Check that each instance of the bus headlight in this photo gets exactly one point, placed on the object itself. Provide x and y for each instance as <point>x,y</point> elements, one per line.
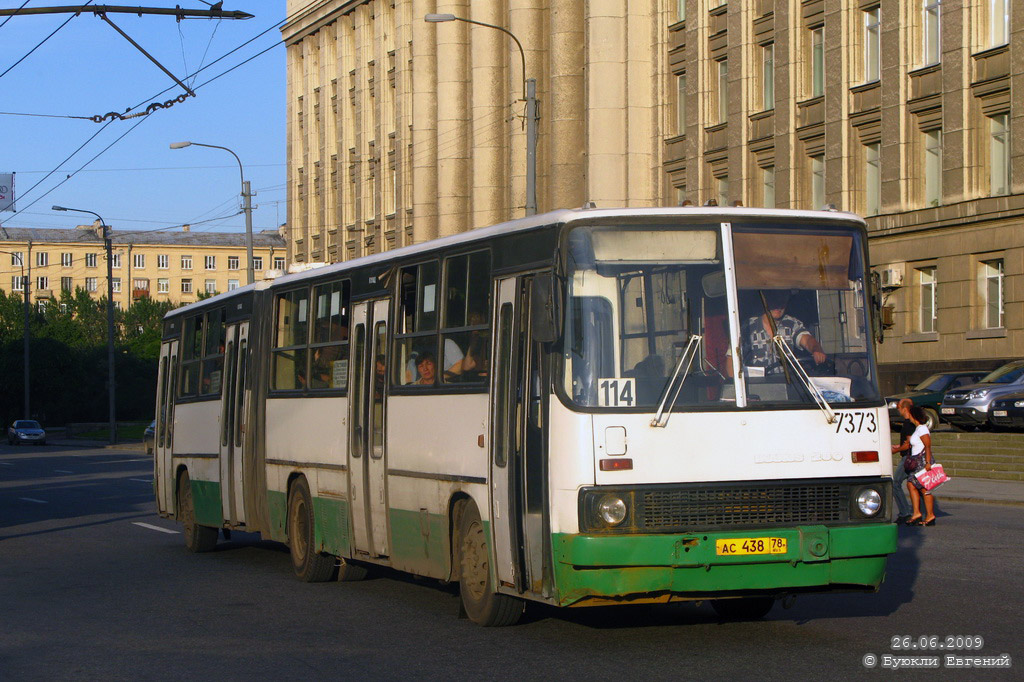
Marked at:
<point>869,502</point>
<point>612,509</point>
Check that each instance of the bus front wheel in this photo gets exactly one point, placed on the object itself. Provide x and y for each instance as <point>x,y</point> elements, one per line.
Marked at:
<point>197,538</point>
<point>746,608</point>
<point>310,565</point>
<point>482,604</point>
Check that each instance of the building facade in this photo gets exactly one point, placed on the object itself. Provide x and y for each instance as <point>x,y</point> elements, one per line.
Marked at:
<point>902,111</point>
<point>165,266</point>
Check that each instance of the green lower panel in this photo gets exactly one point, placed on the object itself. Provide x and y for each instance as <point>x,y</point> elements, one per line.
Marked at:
<point>419,542</point>
<point>624,566</point>
<point>206,500</point>
<point>331,525</point>
<point>277,512</point>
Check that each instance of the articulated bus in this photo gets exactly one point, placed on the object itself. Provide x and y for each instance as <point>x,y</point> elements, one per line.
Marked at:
<point>566,408</point>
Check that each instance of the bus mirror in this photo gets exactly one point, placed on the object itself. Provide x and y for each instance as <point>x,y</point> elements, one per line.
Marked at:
<point>544,308</point>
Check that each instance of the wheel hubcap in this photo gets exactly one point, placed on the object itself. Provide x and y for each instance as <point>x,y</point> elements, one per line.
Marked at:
<point>474,562</point>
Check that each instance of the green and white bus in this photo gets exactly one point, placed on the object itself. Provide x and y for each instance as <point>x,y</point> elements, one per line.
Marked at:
<point>564,408</point>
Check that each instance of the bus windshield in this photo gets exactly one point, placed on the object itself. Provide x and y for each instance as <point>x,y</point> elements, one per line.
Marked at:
<point>645,303</point>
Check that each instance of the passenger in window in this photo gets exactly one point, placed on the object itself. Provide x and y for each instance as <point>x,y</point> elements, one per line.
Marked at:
<point>426,366</point>
<point>453,356</point>
<point>759,350</point>
<point>475,363</point>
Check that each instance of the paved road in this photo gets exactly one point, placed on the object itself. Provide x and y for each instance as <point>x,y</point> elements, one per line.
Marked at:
<point>92,587</point>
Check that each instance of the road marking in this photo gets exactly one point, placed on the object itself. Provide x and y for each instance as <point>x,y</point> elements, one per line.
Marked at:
<point>62,471</point>
<point>152,527</point>
<point>141,480</point>
<point>32,499</point>
<point>7,464</point>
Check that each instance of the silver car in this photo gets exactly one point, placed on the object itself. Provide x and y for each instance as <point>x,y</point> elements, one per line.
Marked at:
<point>969,406</point>
<point>26,431</point>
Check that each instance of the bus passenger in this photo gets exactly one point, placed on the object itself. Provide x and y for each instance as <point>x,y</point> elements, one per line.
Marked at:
<point>426,365</point>
<point>757,333</point>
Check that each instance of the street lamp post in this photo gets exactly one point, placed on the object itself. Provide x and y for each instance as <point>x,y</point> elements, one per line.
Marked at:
<point>111,392</point>
<point>246,198</point>
<point>27,334</point>
<point>532,112</point>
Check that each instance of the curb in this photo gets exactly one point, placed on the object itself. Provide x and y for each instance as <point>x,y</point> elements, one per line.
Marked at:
<point>980,500</point>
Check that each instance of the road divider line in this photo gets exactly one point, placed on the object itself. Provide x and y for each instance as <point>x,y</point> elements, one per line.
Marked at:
<point>141,480</point>
<point>152,527</point>
<point>32,499</point>
<point>62,471</point>
<point>7,464</point>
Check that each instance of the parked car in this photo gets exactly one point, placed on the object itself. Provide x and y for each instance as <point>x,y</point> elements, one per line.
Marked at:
<point>26,431</point>
<point>970,406</point>
<point>148,437</point>
<point>1008,412</point>
<point>928,394</point>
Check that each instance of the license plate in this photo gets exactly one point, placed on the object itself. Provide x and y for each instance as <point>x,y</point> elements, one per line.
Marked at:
<point>948,410</point>
<point>998,413</point>
<point>741,546</point>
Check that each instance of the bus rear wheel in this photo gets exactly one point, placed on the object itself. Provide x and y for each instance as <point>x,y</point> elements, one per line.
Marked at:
<point>482,604</point>
<point>745,608</point>
<point>197,538</point>
<point>310,565</point>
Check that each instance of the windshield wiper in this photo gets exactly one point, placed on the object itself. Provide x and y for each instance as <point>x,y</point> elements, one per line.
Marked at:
<point>790,357</point>
<point>662,415</point>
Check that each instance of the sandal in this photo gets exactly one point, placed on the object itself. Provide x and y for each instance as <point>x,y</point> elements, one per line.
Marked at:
<point>914,521</point>
<point>927,523</point>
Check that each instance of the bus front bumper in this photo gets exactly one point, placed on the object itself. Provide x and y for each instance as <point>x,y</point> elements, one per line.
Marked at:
<point>596,569</point>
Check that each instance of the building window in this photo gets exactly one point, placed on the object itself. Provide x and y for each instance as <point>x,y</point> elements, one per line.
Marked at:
<point>90,284</point>
<point>186,262</point>
<point>18,283</point>
<point>818,62</point>
<point>722,190</point>
<point>139,261</point>
<point>723,90</point>
<point>232,284</point>
<point>42,283</point>
<point>65,260</point>
<point>90,260</point>
<point>210,262</point>
<point>42,259</point>
<point>163,286</point>
<point>999,154</point>
<point>163,262</point>
<point>768,76</point>
<point>818,181</point>
<point>211,286</point>
<point>872,45</point>
<point>115,260</point>
<point>992,293</point>
<point>186,286</point>
<point>257,262</point>
<point>872,179</point>
<point>17,258</point>
<point>115,284</point>
<point>65,284</point>
<point>768,186</point>
<point>932,167</point>
<point>929,302</point>
<point>681,104</point>
<point>931,33</point>
<point>232,262</point>
<point>998,22</point>
<point>680,10</point>
<point>278,262</point>
<point>140,285</point>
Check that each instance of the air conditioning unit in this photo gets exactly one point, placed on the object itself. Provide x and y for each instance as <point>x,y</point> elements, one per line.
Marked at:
<point>892,276</point>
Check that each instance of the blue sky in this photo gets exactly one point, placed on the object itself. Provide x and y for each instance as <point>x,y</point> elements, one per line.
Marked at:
<point>88,69</point>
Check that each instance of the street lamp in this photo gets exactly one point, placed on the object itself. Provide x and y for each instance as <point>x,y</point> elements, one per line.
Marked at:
<point>110,315</point>
<point>532,112</point>
<point>246,197</point>
<point>27,333</point>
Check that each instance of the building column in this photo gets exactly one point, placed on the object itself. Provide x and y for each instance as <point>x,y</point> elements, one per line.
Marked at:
<point>563,108</point>
<point>424,124</point>
<point>491,106</point>
<point>453,122</point>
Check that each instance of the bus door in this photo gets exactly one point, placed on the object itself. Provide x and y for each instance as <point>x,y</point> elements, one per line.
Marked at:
<point>367,454</point>
<point>231,423</point>
<point>518,462</point>
<point>163,435</point>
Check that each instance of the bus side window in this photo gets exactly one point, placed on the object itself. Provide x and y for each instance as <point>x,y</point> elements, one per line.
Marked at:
<point>289,370</point>
<point>466,330</point>
<point>416,324</point>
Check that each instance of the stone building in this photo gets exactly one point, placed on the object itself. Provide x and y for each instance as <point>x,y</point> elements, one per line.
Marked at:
<point>166,266</point>
<point>401,130</point>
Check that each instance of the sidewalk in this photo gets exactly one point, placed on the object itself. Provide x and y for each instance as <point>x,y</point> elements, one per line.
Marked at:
<point>986,490</point>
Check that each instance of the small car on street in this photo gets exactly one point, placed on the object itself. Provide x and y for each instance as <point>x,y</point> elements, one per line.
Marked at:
<point>928,394</point>
<point>1008,412</point>
<point>26,431</point>
<point>148,437</point>
<point>970,406</point>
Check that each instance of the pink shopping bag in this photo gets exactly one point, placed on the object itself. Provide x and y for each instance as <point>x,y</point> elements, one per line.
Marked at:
<point>932,479</point>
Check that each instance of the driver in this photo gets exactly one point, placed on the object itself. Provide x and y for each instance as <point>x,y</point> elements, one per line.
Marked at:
<point>760,351</point>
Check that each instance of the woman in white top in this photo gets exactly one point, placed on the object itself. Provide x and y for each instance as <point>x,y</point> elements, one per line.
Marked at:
<point>920,447</point>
